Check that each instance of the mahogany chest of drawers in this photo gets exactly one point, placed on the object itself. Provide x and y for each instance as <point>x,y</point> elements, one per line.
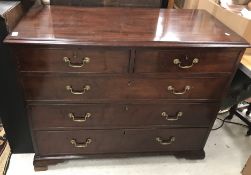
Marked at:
<point>121,81</point>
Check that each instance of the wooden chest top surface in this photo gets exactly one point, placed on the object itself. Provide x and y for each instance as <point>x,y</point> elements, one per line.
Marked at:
<point>123,27</point>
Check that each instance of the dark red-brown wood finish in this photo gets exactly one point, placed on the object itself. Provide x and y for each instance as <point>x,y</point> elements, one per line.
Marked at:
<point>118,141</point>
<point>120,81</point>
<point>123,27</point>
<point>99,116</point>
<point>109,3</point>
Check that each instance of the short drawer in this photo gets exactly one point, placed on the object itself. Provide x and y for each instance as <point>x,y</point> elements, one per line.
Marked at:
<point>197,60</point>
<point>118,141</point>
<point>117,88</point>
<point>88,60</point>
<point>99,116</point>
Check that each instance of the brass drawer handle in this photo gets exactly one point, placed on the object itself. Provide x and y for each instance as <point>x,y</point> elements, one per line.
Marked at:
<point>85,88</point>
<point>85,61</point>
<point>81,145</point>
<point>168,141</point>
<point>81,119</point>
<point>171,88</point>
<point>172,118</point>
<point>177,61</point>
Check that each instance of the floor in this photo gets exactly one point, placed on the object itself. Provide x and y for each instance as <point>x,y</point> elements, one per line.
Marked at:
<point>227,151</point>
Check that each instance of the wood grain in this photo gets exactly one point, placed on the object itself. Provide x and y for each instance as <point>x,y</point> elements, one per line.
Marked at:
<point>53,88</point>
<point>162,61</point>
<point>101,60</point>
<point>56,116</point>
<point>123,27</point>
<point>117,141</point>
<point>109,3</point>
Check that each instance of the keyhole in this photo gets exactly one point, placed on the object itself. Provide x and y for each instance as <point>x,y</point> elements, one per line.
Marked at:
<point>74,55</point>
<point>124,133</point>
<point>126,108</point>
<point>129,83</point>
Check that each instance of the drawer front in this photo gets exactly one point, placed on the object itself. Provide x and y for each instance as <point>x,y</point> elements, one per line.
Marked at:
<point>89,60</point>
<point>116,88</point>
<point>98,116</point>
<point>118,141</point>
<point>186,60</point>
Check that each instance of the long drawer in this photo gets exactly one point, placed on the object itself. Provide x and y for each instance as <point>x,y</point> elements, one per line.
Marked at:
<point>115,88</point>
<point>88,60</point>
<point>118,141</point>
<point>202,60</point>
<point>49,117</point>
